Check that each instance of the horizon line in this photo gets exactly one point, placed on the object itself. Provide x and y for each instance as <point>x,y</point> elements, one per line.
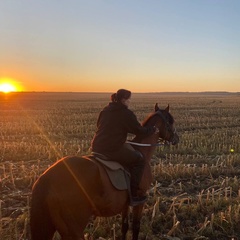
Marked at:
<point>154,92</point>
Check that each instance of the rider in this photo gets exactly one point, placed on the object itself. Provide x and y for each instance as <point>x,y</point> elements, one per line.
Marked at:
<point>114,122</point>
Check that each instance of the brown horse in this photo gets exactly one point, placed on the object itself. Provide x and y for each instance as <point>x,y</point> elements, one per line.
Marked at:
<point>74,189</point>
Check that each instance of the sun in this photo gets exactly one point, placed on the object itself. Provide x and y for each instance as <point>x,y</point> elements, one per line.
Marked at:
<point>8,85</point>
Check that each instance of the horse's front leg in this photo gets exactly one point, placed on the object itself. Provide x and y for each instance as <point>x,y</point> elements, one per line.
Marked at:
<point>125,222</point>
<point>137,215</point>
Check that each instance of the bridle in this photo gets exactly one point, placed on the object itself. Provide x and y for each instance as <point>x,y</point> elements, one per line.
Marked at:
<point>161,141</point>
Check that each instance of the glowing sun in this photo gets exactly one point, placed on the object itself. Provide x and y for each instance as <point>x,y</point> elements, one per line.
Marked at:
<point>8,85</point>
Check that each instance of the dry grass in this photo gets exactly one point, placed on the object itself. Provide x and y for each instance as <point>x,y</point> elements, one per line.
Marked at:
<point>196,188</point>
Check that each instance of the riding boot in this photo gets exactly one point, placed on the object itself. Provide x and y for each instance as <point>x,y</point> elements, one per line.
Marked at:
<point>136,176</point>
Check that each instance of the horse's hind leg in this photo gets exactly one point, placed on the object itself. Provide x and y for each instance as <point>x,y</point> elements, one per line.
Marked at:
<point>73,230</point>
<point>72,238</point>
<point>71,224</point>
<point>125,224</point>
<point>70,219</point>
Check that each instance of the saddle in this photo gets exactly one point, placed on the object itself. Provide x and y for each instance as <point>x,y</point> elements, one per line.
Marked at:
<point>118,175</point>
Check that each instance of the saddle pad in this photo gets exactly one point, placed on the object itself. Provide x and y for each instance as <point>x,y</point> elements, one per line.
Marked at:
<point>119,177</point>
<point>110,164</point>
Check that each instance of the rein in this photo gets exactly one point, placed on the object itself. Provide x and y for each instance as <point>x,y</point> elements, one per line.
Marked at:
<point>146,144</point>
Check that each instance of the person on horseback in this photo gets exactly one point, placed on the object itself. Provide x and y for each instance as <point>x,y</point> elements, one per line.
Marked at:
<point>114,123</point>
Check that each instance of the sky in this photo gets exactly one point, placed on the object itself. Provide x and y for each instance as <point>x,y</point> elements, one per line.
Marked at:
<point>104,45</point>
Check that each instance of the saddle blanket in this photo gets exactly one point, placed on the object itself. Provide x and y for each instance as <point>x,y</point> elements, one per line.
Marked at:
<point>118,175</point>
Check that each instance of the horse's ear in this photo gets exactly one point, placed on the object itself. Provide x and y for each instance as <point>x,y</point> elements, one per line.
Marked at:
<point>167,108</point>
<point>156,107</point>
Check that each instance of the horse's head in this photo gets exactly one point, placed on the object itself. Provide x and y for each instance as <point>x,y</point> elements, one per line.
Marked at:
<point>165,123</point>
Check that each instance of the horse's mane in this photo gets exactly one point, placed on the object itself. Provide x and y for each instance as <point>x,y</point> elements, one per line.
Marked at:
<point>148,119</point>
<point>152,119</point>
<point>169,118</point>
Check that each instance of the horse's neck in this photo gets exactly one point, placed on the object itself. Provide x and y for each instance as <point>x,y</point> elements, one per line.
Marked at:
<point>148,151</point>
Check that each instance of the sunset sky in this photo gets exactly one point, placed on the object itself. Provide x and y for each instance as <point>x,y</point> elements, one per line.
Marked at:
<point>101,46</point>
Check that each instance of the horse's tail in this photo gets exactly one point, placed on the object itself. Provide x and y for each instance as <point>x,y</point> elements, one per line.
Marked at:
<point>41,226</point>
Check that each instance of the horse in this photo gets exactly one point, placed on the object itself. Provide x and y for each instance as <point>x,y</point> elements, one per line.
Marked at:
<point>75,189</point>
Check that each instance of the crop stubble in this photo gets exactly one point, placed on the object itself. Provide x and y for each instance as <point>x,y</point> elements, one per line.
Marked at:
<point>196,188</point>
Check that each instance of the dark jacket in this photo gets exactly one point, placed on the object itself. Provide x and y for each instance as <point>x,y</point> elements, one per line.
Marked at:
<point>115,121</point>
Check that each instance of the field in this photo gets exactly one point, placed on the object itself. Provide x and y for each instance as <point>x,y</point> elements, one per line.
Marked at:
<point>196,189</point>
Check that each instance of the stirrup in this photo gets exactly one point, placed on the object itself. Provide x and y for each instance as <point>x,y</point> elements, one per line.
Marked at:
<point>137,200</point>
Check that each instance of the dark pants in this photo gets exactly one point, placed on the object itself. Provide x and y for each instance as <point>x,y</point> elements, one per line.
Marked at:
<point>133,161</point>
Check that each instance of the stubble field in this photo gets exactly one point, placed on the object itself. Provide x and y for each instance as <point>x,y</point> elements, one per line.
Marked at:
<point>195,193</point>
